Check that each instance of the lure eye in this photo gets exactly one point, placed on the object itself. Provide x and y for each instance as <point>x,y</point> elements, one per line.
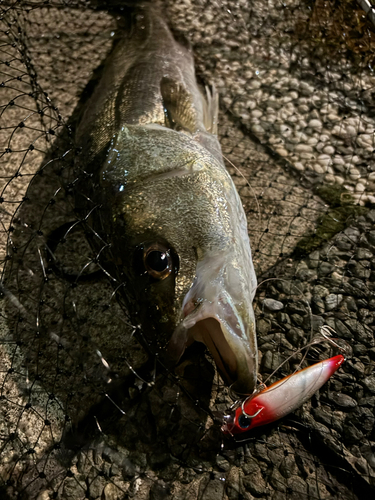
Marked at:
<point>157,261</point>
<point>244,422</point>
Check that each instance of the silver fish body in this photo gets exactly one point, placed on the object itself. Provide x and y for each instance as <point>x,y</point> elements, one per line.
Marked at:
<point>165,214</point>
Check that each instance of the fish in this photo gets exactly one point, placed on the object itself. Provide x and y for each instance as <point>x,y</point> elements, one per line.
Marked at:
<point>162,212</point>
<point>280,398</point>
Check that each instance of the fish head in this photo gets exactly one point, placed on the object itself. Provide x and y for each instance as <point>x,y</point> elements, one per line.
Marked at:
<point>179,235</point>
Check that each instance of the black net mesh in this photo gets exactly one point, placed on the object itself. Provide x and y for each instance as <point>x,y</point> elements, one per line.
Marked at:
<point>86,411</point>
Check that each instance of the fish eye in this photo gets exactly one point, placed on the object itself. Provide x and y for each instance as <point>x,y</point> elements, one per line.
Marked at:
<point>157,261</point>
<point>244,421</point>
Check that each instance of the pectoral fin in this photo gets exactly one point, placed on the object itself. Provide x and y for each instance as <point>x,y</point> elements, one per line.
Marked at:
<point>180,112</point>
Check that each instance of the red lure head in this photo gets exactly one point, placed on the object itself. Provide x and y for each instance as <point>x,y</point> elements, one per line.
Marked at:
<point>239,421</point>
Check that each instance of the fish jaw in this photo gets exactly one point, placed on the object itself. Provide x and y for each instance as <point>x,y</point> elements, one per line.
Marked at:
<point>218,311</point>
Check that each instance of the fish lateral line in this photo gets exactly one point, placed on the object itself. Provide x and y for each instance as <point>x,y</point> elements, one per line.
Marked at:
<point>281,398</point>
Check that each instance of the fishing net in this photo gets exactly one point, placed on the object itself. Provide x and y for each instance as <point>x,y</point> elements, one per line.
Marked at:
<point>86,412</point>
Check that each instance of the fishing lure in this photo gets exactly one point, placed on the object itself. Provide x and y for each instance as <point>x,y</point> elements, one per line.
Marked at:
<point>280,398</point>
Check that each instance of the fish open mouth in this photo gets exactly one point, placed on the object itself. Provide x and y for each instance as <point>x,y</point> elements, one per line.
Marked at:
<point>230,340</point>
<point>210,333</point>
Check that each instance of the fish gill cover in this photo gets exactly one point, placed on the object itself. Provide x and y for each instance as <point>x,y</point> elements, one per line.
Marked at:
<point>85,411</point>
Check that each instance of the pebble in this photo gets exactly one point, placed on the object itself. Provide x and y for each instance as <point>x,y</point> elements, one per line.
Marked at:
<point>359,198</point>
<point>336,278</point>
<point>298,307</point>
<point>263,326</point>
<point>295,336</point>
<point>325,268</point>
<point>317,124</point>
<point>365,141</point>
<point>303,109</point>
<point>331,179</point>
<point>313,141</point>
<point>319,169</point>
<point>285,130</point>
<point>273,139</point>
<point>324,159</point>
<point>363,181</point>
<point>321,290</point>
<point>257,129</point>
<point>338,160</point>
<point>282,152</point>
<point>332,301</point>
<point>271,361</point>
<point>354,159</point>
<point>362,270</point>
<point>371,237</point>
<point>294,140</point>
<point>293,94</point>
<point>324,138</point>
<point>283,318</point>
<point>333,118</point>
<point>339,131</point>
<point>329,150</point>
<point>222,463</point>
<point>363,253</point>
<point>343,400</point>
<point>314,259</point>
<point>325,416</point>
<point>292,118</point>
<point>354,173</point>
<point>351,131</point>
<point>307,156</point>
<point>315,114</point>
<point>251,104</point>
<point>369,383</point>
<point>350,302</point>
<point>371,216</point>
<point>43,495</point>
<point>317,305</point>
<point>303,148</point>
<point>313,321</point>
<point>369,456</point>
<point>360,188</point>
<point>273,305</point>
<point>353,234</point>
<point>254,84</point>
<point>352,434</point>
<point>340,180</point>
<point>299,166</point>
<point>305,88</point>
<point>358,369</point>
<point>305,274</point>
